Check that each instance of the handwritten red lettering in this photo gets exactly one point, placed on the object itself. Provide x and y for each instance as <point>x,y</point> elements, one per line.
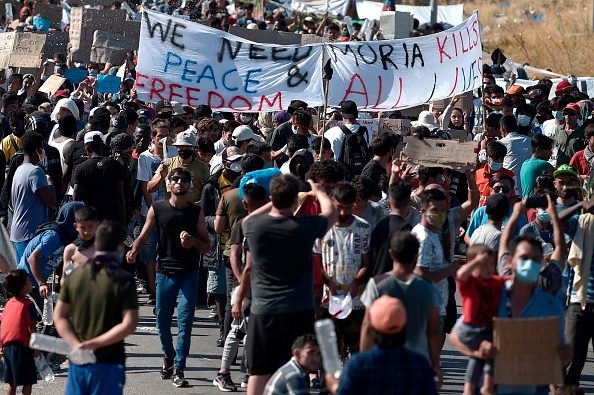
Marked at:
<point>350,90</point>
<point>441,48</point>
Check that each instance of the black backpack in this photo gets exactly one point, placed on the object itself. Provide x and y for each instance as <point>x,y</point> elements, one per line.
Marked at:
<point>355,152</point>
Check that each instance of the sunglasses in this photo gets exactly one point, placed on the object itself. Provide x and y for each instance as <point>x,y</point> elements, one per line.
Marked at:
<point>181,178</point>
<point>569,113</point>
<point>502,188</point>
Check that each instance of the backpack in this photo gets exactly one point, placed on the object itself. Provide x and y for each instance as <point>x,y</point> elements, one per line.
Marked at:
<point>355,152</point>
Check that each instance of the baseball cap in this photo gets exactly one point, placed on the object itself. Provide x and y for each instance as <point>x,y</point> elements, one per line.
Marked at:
<point>163,106</point>
<point>252,26</point>
<point>349,109</point>
<point>244,132</point>
<point>573,107</point>
<point>143,113</point>
<point>565,169</point>
<point>99,118</point>
<point>497,205</point>
<point>185,138</point>
<point>117,124</point>
<point>308,19</point>
<point>534,94</point>
<point>34,123</point>
<point>121,142</point>
<point>295,105</point>
<point>564,87</point>
<point>93,136</point>
<point>234,163</point>
<point>515,90</point>
<point>177,108</point>
<point>387,315</point>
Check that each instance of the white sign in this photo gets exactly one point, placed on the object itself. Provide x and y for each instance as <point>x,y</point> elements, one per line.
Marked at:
<point>194,64</point>
<point>395,74</point>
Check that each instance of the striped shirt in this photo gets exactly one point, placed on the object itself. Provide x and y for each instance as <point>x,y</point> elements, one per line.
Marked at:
<point>289,379</point>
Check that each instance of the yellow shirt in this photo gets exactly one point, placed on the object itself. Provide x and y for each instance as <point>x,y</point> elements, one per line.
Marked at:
<point>200,172</point>
<point>224,186</point>
<point>8,147</point>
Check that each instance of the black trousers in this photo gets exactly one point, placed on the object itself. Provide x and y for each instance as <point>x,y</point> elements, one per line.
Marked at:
<point>579,331</point>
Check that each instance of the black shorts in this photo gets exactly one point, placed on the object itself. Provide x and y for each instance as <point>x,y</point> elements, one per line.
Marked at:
<point>270,337</point>
<point>19,365</point>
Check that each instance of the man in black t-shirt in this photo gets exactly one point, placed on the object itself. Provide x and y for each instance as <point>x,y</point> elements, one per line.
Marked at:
<point>279,273</point>
<point>399,195</point>
<point>382,147</point>
<point>98,181</point>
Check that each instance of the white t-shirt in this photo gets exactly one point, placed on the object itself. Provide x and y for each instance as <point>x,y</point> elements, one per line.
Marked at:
<point>548,129</point>
<point>341,250</point>
<point>431,256</point>
<point>336,136</point>
<point>147,166</point>
<point>488,235</point>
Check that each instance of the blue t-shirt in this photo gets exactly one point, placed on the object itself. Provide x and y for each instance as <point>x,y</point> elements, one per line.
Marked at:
<point>50,245</point>
<point>531,169</point>
<point>29,209</point>
<point>544,234</point>
<point>480,217</point>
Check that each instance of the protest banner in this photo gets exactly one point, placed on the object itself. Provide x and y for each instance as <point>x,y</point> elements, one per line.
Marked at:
<point>84,22</point>
<point>394,74</point>
<point>177,62</point>
<point>51,12</point>
<point>527,351</point>
<point>26,50</point>
<point>76,76</point>
<point>52,84</point>
<point>265,36</point>
<point>194,64</point>
<point>458,135</point>
<point>108,83</point>
<point>6,43</point>
<point>397,126</point>
<point>110,47</point>
<point>440,153</point>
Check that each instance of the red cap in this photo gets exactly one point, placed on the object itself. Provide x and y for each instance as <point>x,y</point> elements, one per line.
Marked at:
<point>573,107</point>
<point>564,87</point>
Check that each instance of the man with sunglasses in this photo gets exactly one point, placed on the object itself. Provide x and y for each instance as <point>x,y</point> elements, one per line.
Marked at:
<point>181,234</point>
<point>569,138</point>
<point>499,184</point>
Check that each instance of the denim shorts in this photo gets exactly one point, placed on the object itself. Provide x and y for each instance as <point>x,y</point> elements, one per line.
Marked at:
<point>96,379</point>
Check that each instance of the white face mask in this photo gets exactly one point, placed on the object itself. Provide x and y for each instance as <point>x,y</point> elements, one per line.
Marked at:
<point>245,118</point>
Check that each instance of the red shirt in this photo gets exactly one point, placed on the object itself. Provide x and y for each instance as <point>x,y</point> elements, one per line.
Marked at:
<point>483,176</point>
<point>578,162</point>
<point>312,207</point>
<point>17,315</point>
<point>480,299</point>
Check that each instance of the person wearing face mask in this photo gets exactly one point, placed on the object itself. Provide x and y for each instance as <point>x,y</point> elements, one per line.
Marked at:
<point>525,113</point>
<point>566,185</point>
<point>185,142</point>
<point>569,138</point>
<point>431,262</point>
<point>489,234</point>
<point>285,129</point>
<point>527,294</point>
<point>495,154</point>
<point>537,165</point>
<point>541,227</point>
<point>583,160</point>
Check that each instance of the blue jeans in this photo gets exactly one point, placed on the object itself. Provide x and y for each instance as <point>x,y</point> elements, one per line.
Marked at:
<point>19,249</point>
<point>96,379</point>
<point>168,289</point>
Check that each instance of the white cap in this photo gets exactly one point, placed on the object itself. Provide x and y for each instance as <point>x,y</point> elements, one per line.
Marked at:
<point>177,108</point>
<point>252,26</point>
<point>244,132</point>
<point>90,136</point>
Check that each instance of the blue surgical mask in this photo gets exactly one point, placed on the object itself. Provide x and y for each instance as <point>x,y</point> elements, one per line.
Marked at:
<point>528,101</point>
<point>495,166</point>
<point>527,271</point>
<point>558,115</point>
<point>543,215</point>
<point>523,120</point>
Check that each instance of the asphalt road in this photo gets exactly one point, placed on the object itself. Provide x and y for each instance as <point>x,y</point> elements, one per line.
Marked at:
<point>144,362</point>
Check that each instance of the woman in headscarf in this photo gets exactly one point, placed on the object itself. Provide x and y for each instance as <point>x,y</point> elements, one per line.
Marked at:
<point>44,252</point>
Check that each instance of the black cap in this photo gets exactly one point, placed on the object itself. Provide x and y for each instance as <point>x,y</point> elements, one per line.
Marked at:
<point>497,206</point>
<point>67,124</point>
<point>100,119</point>
<point>349,109</point>
<point>163,106</point>
<point>295,105</point>
<point>117,124</point>
<point>121,142</point>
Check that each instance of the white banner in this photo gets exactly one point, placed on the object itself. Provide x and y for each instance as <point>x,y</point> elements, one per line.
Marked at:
<point>387,75</point>
<point>194,64</point>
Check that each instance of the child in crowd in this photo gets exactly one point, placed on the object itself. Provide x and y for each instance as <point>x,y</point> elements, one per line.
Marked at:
<point>18,321</point>
<point>83,247</point>
<point>481,291</point>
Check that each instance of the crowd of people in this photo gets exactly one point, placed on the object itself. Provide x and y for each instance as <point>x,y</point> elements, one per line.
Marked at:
<point>274,220</point>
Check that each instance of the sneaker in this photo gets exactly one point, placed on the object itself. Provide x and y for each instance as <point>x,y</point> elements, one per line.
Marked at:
<point>244,381</point>
<point>213,313</point>
<point>167,369</point>
<point>152,300</point>
<point>224,382</point>
<point>179,380</point>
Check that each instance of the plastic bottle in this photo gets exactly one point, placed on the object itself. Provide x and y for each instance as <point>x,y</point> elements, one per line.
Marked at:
<point>48,310</point>
<point>69,268</point>
<point>79,356</point>
<point>326,336</point>
<point>43,368</point>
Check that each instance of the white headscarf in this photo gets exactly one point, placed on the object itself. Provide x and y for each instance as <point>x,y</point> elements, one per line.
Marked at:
<point>68,104</point>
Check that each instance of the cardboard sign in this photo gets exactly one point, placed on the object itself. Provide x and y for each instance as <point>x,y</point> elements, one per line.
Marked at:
<point>458,135</point>
<point>397,126</point>
<point>464,103</point>
<point>108,83</point>
<point>122,71</point>
<point>84,22</point>
<point>55,42</point>
<point>396,24</point>
<point>110,47</point>
<point>76,76</point>
<point>527,351</point>
<point>26,50</point>
<point>440,153</point>
<point>6,43</point>
<point>49,11</point>
<point>52,84</point>
<point>131,29</point>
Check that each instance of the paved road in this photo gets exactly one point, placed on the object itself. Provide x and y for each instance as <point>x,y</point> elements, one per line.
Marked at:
<point>144,361</point>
